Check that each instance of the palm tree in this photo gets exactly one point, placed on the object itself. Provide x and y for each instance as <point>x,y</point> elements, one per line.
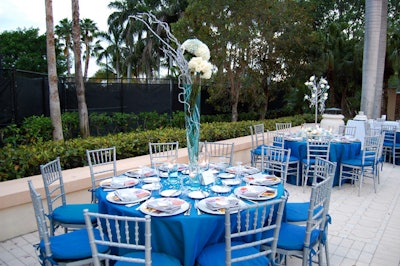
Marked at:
<point>113,53</point>
<point>89,30</point>
<point>374,57</point>
<point>55,112</point>
<point>142,53</point>
<point>64,31</point>
<point>80,86</point>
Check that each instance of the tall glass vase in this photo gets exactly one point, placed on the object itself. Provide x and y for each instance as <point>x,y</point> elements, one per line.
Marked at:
<point>192,120</point>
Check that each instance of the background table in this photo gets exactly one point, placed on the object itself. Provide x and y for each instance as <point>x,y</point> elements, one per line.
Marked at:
<point>338,151</point>
<point>183,237</point>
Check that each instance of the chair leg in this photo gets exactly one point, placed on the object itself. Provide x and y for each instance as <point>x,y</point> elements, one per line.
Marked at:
<point>305,173</point>
<point>340,177</point>
<point>361,180</point>
<point>327,253</point>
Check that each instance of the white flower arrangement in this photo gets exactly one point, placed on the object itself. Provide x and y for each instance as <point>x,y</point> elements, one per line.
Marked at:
<point>310,132</point>
<point>189,80</point>
<point>198,64</point>
<point>319,94</point>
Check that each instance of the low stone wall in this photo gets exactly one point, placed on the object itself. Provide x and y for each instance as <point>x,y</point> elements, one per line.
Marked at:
<point>16,210</point>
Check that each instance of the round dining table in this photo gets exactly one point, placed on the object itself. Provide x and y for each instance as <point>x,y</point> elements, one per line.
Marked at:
<point>182,236</point>
<point>338,151</point>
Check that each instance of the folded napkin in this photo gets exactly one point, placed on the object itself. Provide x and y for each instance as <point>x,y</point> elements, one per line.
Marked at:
<point>126,195</point>
<point>251,170</point>
<point>262,179</point>
<point>163,205</point>
<point>122,181</point>
<point>216,204</point>
<point>253,191</point>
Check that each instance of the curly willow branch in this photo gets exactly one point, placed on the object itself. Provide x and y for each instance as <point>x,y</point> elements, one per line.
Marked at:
<point>175,55</point>
<point>189,94</point>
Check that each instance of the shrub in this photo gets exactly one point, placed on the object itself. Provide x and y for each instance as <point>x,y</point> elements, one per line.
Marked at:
<point>24,160</point>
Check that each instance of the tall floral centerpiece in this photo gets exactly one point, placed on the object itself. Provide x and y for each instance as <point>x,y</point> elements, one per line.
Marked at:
<point>319,94</point>
<point>200,68</point>
<point>192,59</point>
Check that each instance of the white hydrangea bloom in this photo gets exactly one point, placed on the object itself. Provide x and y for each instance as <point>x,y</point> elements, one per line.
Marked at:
<point>197,48</point>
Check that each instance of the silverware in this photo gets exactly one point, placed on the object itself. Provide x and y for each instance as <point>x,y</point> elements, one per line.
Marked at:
<point>187,212</point>
<point>197,207</point>
<point>151,198</point>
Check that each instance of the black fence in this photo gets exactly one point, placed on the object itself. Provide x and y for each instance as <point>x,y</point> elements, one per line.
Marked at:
<point>24,94</point>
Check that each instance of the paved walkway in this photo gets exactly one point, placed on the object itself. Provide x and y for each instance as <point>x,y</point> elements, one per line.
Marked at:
<point>365,230</point>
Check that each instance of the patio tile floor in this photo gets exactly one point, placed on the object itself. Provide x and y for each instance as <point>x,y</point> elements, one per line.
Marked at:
<point>365,230</point>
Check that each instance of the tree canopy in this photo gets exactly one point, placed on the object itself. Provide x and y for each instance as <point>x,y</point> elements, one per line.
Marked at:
<point>25,49</point>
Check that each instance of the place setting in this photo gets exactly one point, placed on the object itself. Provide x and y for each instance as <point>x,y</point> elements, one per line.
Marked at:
<point>256,193</point>
<point>262,179</point>
<point>141,172</point>
<point>165,206</point>
<point>118,182</point>
<point>128,196</point>
<point>219,205</point>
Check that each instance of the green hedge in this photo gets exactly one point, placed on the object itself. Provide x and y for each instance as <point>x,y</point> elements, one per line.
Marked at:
<point>24,160</point>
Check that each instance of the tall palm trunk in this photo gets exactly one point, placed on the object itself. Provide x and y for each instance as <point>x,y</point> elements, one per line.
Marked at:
<point>374,57</point>
<point>55,110</point>
<point>80,86</point>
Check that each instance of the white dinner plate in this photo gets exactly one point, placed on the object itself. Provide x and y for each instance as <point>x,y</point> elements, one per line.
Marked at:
<point>119,182</point>
<point>163,174</point>
<point>257,192</point>
<point>262,179</point>
<point>198,194</point>
<point>153,179</point>
<point>175,201</point>
<point>141,172</point>
<point>221,189</point>
<point>152,186</point>
<point>226,175</point>
<point>170,193</point>
<point>202,205</point>
<point>231,182</point>
<point>244,170</point>
<point>137,194</point>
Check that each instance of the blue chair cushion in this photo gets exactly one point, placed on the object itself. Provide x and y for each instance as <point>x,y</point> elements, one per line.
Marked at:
<point>73,213</point>
<point>388,143</point>
<point>292,158</point>
<point>156,258</point>
<point>72,246</point>
<point>214,255</point>
<point>297,211</point>
<point>358,162</point>
<point>291,236</point>
<point>258,150</point>
<point>305,161</point>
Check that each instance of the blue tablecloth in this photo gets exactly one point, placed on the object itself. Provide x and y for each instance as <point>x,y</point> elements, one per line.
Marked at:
<point>181,236</point>
<point>338,151</point>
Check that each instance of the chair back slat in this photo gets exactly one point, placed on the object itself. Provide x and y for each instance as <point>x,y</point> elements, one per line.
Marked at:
<point>283,127</point>
<point>275,160</point>
<point>251,222</point>
<point>42,226</point>
<point>257,135</point>
<point>320,198</point>
<point>163,152</point>
<point>347,131</point>
<point>102,164</point>
<point>123,232</point>
<point>53,184</point>
<point>218,152</point>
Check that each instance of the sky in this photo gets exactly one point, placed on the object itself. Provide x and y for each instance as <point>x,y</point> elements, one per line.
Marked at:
<point>27,14</point>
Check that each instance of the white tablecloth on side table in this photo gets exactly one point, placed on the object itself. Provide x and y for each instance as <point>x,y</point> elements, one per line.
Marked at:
<point>360,128</point>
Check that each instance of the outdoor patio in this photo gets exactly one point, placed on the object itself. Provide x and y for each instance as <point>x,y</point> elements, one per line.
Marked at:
<point>365,230</point>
